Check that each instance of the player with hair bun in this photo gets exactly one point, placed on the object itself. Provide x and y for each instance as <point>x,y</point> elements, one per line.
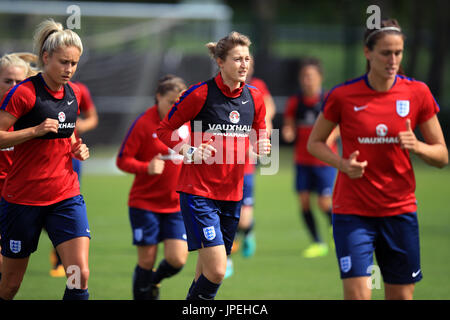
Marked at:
<point>222,111</point>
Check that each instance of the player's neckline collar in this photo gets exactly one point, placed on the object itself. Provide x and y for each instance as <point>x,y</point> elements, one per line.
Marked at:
<point>366,79</point>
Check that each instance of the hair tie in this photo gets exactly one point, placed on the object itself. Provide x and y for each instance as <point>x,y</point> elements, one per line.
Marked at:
<point>49,34</point>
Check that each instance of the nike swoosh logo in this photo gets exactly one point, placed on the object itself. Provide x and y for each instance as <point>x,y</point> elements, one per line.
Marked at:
<point>359,108</point>
<point>70,102</point>
<point>87,230</point>
<point>415,274</point>
<point>203,298</point>
<point>244,102</point>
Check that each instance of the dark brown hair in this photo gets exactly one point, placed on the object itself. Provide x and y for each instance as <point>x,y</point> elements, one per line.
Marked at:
<point>311,61</point>
<point>168,83</point>
<point>371,36</point>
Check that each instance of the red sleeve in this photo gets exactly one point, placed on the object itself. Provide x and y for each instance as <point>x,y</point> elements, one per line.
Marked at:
<point>126,159</point>
<point>184,110</point>
<point>86,102</point>
<point>78,94</point>
<point>261,85</point>
<point>429,107</point>
<point>259,123</point>
<point>19,100</point>
<point>291,107</point>
<point>332,107</point>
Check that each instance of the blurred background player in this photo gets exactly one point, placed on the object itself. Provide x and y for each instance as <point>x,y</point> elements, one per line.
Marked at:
<point>41,188</point>
<point>312,175</point>
<point>223,112</point>
<point>374,205</point>
<point>247,221</point>
<point>14,68</point>
<point>87,121</point>
<point>154,206</point>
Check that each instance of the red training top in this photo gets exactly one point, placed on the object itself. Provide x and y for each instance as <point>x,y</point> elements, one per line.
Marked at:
<point>303,110</point>
<point>41,172</point>
<point>141,144</point>
<point>5,163</point>
<point>6,155</point>
<point>262,87</point>
<point>227,115</point>
<point>370,122</point>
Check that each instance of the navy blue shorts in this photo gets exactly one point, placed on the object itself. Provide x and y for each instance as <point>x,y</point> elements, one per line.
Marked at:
<point>209,222</point>
<point>151,228</point>
<point>394,239</point>
<point>21,225</point>
<point>247,199</point>
<point>319,179</point>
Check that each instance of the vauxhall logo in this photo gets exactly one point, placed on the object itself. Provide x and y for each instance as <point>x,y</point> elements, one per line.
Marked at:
<point>382,138</point>
<point>62,119</point>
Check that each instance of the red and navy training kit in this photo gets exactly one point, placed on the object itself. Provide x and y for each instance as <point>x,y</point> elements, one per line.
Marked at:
<point>41,189</point>
<point>210,192</point>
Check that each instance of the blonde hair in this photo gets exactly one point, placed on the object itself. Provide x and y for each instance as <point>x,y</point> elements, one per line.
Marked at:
<point>20,59</point>
<point>51,35</point>
<point>220,49</point>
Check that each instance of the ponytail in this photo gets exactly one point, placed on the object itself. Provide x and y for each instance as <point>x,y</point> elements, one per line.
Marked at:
<point>51,35</point>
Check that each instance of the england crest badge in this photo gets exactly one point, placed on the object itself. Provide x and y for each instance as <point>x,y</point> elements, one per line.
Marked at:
<point>138,234</point>
<point>15,246</point>
<point>209,232</point>
<point>345,263</point>
<point>402,107</point>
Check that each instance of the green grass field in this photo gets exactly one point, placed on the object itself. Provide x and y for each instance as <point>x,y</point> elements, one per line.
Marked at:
<point>277,271</point>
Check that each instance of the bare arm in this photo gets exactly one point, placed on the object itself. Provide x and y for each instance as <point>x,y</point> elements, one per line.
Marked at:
<point>333,136</point>
<point>88,122</point>
<point>288,130</point>
<point>270,112</point>
<point>318,147</point>
<point>12,138</point>
<point>434,150</point>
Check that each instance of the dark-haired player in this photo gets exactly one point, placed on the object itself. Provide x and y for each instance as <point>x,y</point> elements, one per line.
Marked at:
<point>374,205</point>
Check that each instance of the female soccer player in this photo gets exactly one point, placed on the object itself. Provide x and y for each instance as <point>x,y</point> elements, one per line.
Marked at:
<point>14,68</point>
<point>374,206</point>
<point>41,188</point>
<point>154,205</point>
<point>222,111</point>
<point>312,175</point>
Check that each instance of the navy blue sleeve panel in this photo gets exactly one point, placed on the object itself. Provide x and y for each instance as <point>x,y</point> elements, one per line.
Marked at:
<point>184,110</point>
<point>19,99</point>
